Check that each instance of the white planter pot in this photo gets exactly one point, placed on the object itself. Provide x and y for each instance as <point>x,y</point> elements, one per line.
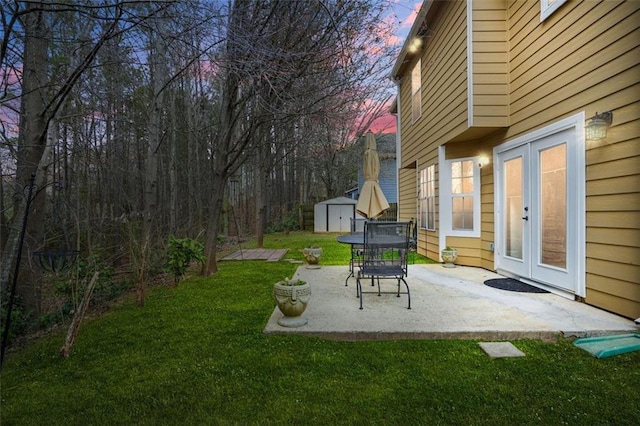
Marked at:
<point>312,255</point>
<point>449,257</point>
<point>292,300</point>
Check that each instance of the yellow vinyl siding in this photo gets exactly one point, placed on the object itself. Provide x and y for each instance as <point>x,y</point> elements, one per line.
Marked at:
<point>490,64</point>
<point>612,220</point>
<point>614,253</point>
<point>526,75</point>
<point>624,237</point>
<point>557,69</point>
<point>615,168</point>
<point>407,190</point>
<point>613,303</point>
<point>614,202</point>
<point>468,250</point>
<point>621,279</point>
<point>487,217</point>
<point>443,77</point>
<point>586,58</point>
<point>623,183</point>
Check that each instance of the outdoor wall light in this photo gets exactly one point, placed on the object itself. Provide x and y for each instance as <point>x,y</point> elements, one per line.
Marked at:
<point>596,130</point>
<point>483,161</point>
<point>415,44</point>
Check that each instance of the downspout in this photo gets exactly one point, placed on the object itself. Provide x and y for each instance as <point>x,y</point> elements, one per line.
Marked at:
<point>398,145</point>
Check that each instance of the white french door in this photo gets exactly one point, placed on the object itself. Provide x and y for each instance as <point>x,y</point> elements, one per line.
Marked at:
<point>514,247</point>
<point>538,209</point>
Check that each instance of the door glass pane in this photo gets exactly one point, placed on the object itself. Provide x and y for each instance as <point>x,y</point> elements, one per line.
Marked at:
<point>513,203</point>
<point>553,202</point>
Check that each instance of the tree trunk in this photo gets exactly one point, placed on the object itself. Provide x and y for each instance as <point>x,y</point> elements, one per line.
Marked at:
<point>32,142</point>
<point>3,221</point>
<point>260,205</point>
<point>151,167</point>
<point>210,265</point>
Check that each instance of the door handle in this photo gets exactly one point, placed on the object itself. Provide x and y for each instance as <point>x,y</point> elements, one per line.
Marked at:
<point>525,218</point>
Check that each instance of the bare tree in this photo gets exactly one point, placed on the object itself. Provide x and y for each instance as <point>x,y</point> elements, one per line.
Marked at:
<point>147,113</point>
<point>41,98</point>
<point>282,61</point>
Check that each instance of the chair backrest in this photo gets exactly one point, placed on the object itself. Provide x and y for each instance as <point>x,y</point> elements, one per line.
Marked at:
<point>357,225</point>
<point>387,244</point>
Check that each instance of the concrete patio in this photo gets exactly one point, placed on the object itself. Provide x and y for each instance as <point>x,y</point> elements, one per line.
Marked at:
<point>446,304</point>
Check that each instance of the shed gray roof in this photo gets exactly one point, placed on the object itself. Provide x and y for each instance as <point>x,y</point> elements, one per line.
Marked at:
<point>339,200</point>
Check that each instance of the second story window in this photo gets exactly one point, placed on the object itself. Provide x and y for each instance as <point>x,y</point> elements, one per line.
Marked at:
<point>547,7</point>
<point>416,97</point>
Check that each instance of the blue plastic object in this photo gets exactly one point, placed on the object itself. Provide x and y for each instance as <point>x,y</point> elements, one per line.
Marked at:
<point>606,346</point>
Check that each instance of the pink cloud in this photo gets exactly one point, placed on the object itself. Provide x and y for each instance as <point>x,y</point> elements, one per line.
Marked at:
<point>401,17</point>
<point>10,80</point>
<point>384,124</point>
<point>408,22</point>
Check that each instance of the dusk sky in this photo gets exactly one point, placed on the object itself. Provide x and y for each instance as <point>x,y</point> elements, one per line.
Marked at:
<point>403,13</point>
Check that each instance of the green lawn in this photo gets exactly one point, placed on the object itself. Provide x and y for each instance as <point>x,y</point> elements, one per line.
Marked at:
<point>196,355</point>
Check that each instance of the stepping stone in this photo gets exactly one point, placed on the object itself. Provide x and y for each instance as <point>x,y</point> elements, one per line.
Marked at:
<point>500,349</point>
<point>257,254</point>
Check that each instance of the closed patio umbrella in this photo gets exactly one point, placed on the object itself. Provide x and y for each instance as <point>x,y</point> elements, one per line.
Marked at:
<point>371,202</point>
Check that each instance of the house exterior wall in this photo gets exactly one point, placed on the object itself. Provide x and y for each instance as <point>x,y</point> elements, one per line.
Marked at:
<point>407,190</point>
<point>525,74</point>
<point>443,67</point>
<point>386,178</point>
<point>489,64</point>
<point>443,77</point>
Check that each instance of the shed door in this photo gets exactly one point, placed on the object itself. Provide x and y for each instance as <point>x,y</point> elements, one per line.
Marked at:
<point>338,216</point>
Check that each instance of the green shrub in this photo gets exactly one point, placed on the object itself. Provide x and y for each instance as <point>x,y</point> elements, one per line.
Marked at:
<point>288,223</point>
<point>181,252</point>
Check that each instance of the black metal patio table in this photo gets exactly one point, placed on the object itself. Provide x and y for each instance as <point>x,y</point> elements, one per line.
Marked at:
<point>356,241</point>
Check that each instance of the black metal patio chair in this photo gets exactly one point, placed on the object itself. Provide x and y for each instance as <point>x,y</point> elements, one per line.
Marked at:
<point>357,250</point>
<point>386,250</point>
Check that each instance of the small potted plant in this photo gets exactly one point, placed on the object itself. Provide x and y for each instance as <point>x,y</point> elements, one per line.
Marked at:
<point>312,255</point>
<point>449,256</point>
<point>292,298</point>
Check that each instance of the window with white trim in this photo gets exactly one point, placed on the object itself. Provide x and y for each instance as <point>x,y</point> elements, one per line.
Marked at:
<point>462,195</point>
<point>416,90</point>
<point>460,205</point>
<point>427,198</point>
<point>547,7</point>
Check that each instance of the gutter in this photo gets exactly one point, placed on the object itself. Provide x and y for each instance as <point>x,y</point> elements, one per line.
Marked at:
<point>398,145</point>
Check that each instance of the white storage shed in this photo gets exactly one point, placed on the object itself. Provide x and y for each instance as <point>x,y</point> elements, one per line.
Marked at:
<point>334,215</point>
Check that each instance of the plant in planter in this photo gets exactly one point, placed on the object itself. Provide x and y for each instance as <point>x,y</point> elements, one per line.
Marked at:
<point>312,255</point>
<point>449,256</point>
<point>292,298</point>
